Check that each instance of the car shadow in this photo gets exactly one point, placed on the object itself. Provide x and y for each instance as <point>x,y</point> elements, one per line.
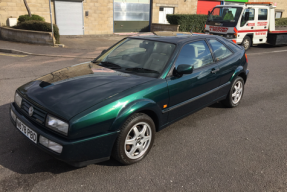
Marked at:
<point>19,155</point>
<point>217,105</point>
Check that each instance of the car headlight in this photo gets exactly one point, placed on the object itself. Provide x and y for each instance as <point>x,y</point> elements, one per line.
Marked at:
<point>18,99</point>
<point>57,125</point>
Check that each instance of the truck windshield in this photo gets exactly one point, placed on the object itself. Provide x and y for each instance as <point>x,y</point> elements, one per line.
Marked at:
<point>225,14</point>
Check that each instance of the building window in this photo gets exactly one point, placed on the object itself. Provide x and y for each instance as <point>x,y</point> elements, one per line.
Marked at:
<point>278,14</point>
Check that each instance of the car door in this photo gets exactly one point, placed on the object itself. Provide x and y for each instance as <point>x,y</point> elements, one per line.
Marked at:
<point>226,64</point>
<point>262,24</point>
<point>191,92</point>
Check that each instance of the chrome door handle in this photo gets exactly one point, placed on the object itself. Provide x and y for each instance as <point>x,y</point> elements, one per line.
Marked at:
<point>214,70</point>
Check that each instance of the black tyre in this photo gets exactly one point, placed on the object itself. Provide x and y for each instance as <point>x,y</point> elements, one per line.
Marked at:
<point>235,94</point>
<point>246,43</point>
<point>135,139</point>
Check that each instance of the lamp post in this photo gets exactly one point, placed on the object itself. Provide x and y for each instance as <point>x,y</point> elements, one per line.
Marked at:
<point>51,21</point>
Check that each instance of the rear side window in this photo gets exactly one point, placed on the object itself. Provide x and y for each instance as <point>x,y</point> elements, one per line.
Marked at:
<point>220,51</point>
<point>262,14</point>
<point>196,54</point>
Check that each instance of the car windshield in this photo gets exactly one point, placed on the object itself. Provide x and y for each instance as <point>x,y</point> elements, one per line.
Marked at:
<point>225,14</point>
<point>142,57</point>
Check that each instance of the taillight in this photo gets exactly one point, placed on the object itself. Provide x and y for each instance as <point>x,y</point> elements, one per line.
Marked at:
<point>234,41</point>
<point>246,58</point>
<point>236,32</point>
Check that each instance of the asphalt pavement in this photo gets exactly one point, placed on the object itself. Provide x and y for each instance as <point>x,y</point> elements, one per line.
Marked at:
<point>215,149</point>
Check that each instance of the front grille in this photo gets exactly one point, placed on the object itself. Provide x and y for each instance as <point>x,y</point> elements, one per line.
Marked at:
<point>38,115</point>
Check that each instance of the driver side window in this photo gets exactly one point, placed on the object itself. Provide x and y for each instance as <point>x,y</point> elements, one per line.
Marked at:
<point>251,16</point>
<point>196,53</point>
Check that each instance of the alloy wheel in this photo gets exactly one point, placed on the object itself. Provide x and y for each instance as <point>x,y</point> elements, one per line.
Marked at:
<point>138,140</point>
<point>237,92</point>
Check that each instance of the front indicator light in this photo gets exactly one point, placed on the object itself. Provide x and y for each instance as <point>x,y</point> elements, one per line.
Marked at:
<point>57,125</point>
<point>13,115</point>
<point>18,99</point>
<point>50,144</point>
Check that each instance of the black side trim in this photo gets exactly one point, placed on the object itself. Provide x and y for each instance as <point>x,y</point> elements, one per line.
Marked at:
<point>195,98</point>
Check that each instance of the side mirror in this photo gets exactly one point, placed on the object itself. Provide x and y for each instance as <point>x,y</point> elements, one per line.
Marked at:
<point>104,51</point>
<point>183,69</point>
<point>247,16</point>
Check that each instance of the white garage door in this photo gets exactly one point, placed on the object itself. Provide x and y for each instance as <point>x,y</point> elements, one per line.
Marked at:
<point>69,17</point>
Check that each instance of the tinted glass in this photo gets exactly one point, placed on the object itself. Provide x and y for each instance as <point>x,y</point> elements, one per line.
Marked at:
<point>142,57</point>
<point>262,14</point>
<point>196,54</point>
<point>225,14</point>
<point>251,16</point>
<point>219,50</point>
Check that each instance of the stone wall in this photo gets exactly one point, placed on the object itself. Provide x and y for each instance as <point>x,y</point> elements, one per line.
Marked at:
<point>100,19</point>
<point>15,8</point>
<point>281,4</point>
<point>180,7</point>
<point>26,36</point>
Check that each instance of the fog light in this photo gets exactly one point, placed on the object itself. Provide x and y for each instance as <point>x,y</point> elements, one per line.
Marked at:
<point>13,115</point>
<point>50,144</point>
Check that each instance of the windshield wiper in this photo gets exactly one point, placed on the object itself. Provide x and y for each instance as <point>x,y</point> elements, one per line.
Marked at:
<point>109,65</point>
<point>142,70</point>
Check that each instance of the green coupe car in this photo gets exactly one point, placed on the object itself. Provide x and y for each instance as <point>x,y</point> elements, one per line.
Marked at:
<point>112,106</point>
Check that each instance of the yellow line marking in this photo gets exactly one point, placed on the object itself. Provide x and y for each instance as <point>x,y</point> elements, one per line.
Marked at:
<point>12,55</point>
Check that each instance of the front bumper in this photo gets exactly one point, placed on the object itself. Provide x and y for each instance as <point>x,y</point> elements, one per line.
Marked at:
<point>75,152</point>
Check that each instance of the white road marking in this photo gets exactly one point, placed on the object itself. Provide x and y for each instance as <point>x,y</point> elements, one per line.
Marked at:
<point>266,52</point>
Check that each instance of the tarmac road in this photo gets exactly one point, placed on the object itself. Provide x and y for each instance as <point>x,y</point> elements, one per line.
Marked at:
<point>215,149</point>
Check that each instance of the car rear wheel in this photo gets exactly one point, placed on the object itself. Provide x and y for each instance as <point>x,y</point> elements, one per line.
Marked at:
<point>135,139</point>
<point>235,94</point>
<point>246,43</point>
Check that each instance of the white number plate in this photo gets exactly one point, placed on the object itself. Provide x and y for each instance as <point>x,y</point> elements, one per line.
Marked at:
<point>32,135</point>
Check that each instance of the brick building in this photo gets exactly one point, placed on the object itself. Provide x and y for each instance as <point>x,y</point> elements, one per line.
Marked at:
<point>79,17</point>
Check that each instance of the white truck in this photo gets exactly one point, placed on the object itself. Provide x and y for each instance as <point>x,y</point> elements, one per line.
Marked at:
<point>249,24</point>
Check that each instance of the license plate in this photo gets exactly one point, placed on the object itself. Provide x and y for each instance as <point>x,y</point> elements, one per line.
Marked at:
<point>32,135</point>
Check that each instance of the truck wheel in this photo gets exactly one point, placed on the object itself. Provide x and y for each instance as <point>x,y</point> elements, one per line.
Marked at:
<point>246,43</point>
<point>135,139</point>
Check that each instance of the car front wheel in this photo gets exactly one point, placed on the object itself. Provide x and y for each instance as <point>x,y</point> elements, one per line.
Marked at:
<point>235,94</point>
<point>135,139</point>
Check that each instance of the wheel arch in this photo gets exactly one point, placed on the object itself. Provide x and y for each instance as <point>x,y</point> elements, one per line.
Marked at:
<point>145,106</point>
<point>250,35</point>
<point>239,72</point>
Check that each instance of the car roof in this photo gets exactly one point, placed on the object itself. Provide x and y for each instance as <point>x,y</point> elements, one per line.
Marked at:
<point>171,37</point>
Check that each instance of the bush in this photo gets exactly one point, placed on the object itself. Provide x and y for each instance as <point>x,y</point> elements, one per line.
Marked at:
<point>281,22</point>
<point>188,22</point>
<point>39,26</point>
<point>23,18</point>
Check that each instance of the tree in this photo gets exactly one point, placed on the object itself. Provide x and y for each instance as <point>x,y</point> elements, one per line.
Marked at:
<point>27,7</point>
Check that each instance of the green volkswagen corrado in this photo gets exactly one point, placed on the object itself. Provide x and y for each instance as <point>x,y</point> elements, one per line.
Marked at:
<point>113,105</point>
